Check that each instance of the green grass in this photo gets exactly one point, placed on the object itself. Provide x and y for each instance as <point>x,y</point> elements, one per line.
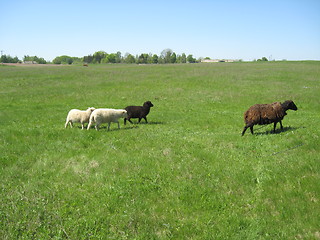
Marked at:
<point>188,174</point>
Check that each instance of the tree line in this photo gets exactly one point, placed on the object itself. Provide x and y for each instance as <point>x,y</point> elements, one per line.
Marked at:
<point>99,57</point>
<point>166,56</point>
<point>8,59</point>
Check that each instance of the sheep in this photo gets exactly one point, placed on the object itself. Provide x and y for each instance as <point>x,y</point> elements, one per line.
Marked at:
<point>80,116</point>
<point>267,113</point>
<point>138,112</point>
<point>106,115</point>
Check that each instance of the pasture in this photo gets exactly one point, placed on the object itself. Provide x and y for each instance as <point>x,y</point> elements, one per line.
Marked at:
<point>187,174</point>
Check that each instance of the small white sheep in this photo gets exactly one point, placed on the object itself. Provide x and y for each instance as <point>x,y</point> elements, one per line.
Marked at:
<point>106,115</point>
<point>80,116</point>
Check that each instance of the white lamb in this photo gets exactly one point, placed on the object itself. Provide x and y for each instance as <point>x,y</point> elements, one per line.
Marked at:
<point>80,116</point>
<point>106,115</point>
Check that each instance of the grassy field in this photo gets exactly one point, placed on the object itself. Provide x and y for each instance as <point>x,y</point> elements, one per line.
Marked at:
<point>188,174</point>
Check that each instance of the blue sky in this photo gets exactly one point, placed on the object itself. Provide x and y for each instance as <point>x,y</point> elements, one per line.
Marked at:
<point>233,29</point>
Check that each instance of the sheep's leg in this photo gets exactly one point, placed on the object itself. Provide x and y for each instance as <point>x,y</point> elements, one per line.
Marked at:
<point>89,125</point>
<point>97,127</point>
<point>139,120</point>
<point>71,125</point>
<point>244,130</point>
<point>246,127</point>
<point>125,121</point>
<point>118,125</point>
<point>281,125</point>
<point>66,125</point>
<point>251,129</point>
<point>108,126</point>
<point>145,118</point>
<point>82,126</point>
<point>274,126</point>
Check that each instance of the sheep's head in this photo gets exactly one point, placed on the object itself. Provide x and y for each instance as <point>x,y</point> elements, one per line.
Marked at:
<point>124,114</point>
<point>91,109</point>
<point>148,104</point>
<point>289,104</point>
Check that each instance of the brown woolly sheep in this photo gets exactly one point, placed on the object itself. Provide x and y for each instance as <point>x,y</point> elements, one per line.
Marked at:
<point>138,112</point>
<point>267,113</point>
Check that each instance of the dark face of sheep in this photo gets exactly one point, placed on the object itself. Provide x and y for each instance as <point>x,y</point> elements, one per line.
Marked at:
<point>148,104</point>
<point>289,104</point>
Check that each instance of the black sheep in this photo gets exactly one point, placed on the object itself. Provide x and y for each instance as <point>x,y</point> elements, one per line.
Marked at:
<point>267,113</point>
<point>138,112</point>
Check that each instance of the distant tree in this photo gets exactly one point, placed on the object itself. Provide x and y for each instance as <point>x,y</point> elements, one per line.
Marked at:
<point>178,59</point>
<point>118,57</point>
<point>160,60</point>
<point>63,60</point>
<point>69,60</point>
<point>155,59</point>
<point>77,60</point>
<point>111,58</point>
<point>128,58</point>
<point>8,59</point>
<point>27,58</point>
<point>183,58</point>
<point>4,59</point>
<point>57,60</point>
<point>173,58</point>
<point>143,58</point>
<point>264,59</point>
<point>98,56</point>
<point>190,59</point>
<point>88,59</point>
<point>106,59</point>
<point>16,60</point>
<point>34,59</point>
<point>150,58</point>
<point>166,55</point>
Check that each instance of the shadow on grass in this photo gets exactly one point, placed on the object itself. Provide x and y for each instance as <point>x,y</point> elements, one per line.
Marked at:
<point>123,127</point>
<point>144,123</point>
<point>105,128</point>
<point>285,129</point>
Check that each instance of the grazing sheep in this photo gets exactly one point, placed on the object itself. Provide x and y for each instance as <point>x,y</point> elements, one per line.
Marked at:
<point>76,115</point>
<point>106,115</point>
<point>267,113</point>
<point>138,112</point>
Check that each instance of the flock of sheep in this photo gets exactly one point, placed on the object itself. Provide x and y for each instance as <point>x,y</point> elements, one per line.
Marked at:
<point>107,115</point>
<point>260,114</point>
